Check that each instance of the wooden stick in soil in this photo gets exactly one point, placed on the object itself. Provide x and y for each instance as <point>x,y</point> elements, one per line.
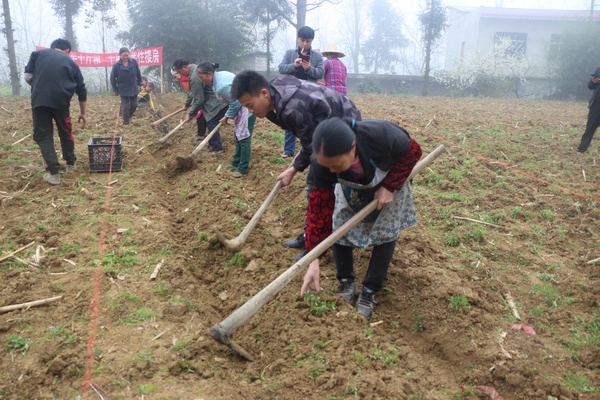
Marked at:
<point>29,304</point>
<point>20,140</point>
<point>156,269</point>
<point>511,304</point>
<point>222,331</point>
<point>477,221</point>
<point>12,253</point>
<point>593,261</point>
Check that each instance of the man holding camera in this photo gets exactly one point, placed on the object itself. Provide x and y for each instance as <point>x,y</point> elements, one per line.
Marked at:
<point>593,121</point>
<point>303,63</point>
<point>306,64</point>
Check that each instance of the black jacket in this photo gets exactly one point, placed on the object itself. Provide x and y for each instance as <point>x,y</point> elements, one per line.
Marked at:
<point>56,78</point>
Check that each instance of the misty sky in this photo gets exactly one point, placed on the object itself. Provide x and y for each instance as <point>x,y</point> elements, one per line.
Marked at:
<point>42,26</point>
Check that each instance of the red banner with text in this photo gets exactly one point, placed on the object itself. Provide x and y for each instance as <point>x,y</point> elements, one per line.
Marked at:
<point>144,57</point>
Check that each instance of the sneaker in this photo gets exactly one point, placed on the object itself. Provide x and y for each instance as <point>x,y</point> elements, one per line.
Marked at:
<point>286,155</point>
<point>366,303</point>
<point>217,152</point>
<point>347,290</point>
<point>200,138</point>
<point>230,167</point>
<point>71,168</point>
<point>297,243</point>
<point>238,174</point>
<point>52,179</point>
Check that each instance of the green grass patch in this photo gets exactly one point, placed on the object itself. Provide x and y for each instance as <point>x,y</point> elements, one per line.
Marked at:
<point>317,305</point>
<point>458,302</point>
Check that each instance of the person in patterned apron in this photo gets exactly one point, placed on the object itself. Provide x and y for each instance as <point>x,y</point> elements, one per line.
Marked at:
<point>353,163</point>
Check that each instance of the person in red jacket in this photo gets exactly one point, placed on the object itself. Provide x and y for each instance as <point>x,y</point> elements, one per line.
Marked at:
<point>354,163</point>
<point>184,81</point>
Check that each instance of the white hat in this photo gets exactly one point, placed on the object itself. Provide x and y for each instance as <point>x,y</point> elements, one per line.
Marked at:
<point>333,50</point>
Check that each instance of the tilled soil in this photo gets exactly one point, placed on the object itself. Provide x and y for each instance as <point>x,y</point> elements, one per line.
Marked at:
<point>510,168</point>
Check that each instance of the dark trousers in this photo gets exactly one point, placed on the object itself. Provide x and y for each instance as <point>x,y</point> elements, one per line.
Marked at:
<point>128,107</point>
<point>215,142</point>
<point>593,123</point>
<point>43,135</point>
<point>378,265</point>
<point>201,122</point>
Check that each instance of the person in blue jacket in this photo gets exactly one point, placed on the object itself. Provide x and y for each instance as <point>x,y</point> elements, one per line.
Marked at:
<point>243,119</point>
<point>126,80</point>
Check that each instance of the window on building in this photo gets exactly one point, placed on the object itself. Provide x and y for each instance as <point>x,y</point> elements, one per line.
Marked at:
<point>554,47</point>
<point>518,41</point>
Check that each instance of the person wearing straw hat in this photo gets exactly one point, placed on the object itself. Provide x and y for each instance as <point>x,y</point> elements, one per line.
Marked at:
<point>335,70</point>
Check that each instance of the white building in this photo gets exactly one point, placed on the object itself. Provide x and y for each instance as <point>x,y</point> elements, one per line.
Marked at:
<point>536,32</point>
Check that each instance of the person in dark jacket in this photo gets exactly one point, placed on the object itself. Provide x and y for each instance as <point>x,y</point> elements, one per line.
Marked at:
<point>126,79</point>
<point>55,78</point>
<point>354,163</point>
<point>303,63</point>
<point>295,105</point>
<point>205,99</point>
<point>593,121</point>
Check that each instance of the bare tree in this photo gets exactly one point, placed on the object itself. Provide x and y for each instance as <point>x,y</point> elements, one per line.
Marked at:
<point>267,20</point>
<point>10,48</point>
<point>355,17</point>
<point>434,22</point>
<point>68,9</point>
<point>301,7</point>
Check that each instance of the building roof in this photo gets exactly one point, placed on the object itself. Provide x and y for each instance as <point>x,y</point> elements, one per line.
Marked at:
<point>530,13</point>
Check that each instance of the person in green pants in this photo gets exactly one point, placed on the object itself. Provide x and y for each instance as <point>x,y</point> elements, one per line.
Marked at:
<point>243,119</point>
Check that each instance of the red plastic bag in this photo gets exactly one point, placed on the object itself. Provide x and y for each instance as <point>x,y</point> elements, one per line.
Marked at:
<point>489,392</point>
<point>523,328</point>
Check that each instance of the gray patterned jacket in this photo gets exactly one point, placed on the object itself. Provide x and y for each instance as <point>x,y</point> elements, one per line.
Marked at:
<point>301,105</point>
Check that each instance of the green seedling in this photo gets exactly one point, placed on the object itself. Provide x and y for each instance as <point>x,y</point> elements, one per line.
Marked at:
<point>318,305</point>
<point>458,302</point>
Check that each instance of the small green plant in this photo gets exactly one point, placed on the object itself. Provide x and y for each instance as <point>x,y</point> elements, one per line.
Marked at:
<point>137,317</point>
<point>238,260</point>
<point>124,301</point>
<point>389,358</point>
<point>319,344</point>
<point>315,372</point>
<point>239,203</point>
<point>458,302</point>
<point>202,237</point>
<point>547,214</point>
<point>317,304</point>
<point>419,325</point>
<point>452,240</point>
<point>548,292</point>
<point>350,391</point>
<point>359,358</point>
<point>144,355</point>
<point>368,333</point>
<point>145,389</point>
<point>18,343</point>
<point>189,305</point>
<point>180,344</point>
<point>580,383</point>
<point>162,289</point>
